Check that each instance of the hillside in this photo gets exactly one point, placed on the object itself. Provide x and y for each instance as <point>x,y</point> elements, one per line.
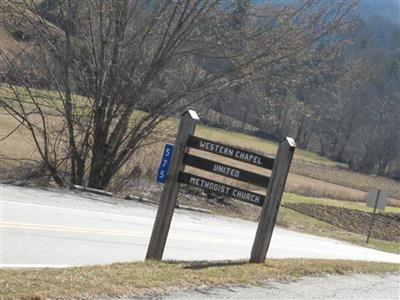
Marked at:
<point>18,31</point>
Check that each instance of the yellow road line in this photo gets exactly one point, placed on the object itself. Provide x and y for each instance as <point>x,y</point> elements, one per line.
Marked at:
<point>113,232</point>
<point>73,229</point>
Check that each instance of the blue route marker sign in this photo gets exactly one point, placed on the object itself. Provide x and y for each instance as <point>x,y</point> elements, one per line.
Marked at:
<point>164,165</point>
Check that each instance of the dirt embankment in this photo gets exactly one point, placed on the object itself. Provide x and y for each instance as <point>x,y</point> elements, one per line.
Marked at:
<point>385,227</point>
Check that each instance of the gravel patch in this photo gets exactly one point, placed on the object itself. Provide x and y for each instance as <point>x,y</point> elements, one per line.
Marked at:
<point>358,286</point>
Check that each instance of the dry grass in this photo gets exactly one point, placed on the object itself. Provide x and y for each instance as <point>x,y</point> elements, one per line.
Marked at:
<point>258,144</point>
<point>8,43</point>
<point>151,278</point>
<point>21,20</point>
<point>297,184</point>
<point>297,199</point>
<point>307,179</point>
<point>310,187</point>
<point>315,176</point>
<point>300,222</point>
<point>347,178</point>
<point>18,145</point>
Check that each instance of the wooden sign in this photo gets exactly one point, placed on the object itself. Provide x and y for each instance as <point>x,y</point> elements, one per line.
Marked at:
<point>225,170</point>
<point>231,152</point>
<point>181,158</point>
<point>221,188</point>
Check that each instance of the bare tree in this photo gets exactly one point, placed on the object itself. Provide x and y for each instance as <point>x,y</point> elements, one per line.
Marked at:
<point>119,68</point>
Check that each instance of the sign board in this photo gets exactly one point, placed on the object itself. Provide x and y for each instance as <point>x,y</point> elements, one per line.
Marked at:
<point>380,199</point>
<point>180,158</point>
<point>231,152</point>
<point>221,188</point>
<point>225,170</point>
<point>164,164</point>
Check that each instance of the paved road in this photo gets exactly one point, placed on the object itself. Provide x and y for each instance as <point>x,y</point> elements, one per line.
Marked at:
<point>333,287</point>
<point>52,228</point>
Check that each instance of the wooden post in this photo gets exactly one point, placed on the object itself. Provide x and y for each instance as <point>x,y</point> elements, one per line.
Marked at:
<point>272,201</point>
<point>169,194</point>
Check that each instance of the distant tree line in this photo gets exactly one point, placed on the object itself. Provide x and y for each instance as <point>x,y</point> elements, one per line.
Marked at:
<point>341,99</point>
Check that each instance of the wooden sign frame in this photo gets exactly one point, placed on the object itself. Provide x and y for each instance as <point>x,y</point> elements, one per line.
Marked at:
<point>270,203</point>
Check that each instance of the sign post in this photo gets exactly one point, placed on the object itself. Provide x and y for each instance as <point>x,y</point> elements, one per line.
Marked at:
<point>376,199</point>
<point>272,202</point>
<point>169,194</point>
<point>176,175</point>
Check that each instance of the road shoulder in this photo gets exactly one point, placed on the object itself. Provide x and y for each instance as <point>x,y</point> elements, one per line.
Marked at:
<point>355,286</point>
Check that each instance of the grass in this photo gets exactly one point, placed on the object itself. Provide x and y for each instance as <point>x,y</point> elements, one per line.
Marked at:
<point>310,187</point>
<point>19,145</point>
<point>140,278</point>
<point>311,175</point>
<point>224,136</point>
<point>300,222</point>
<point>347,178</point>
<point>297,199</point>
<point>49,101</point>
<point>258,144</point>
<point>306,224</point>
<point>295,220</point>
